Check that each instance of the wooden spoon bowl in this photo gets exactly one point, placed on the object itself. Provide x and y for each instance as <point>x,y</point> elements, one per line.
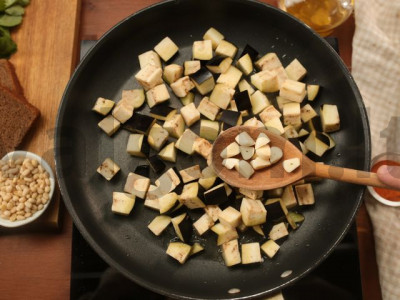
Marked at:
<point>275,176</point>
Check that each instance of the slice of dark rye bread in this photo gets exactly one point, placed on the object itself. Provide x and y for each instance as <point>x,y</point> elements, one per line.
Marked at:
<point>16,118</point>
<point>9,79</point>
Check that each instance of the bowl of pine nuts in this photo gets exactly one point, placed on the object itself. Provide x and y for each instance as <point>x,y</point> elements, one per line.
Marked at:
<point>26,187</point>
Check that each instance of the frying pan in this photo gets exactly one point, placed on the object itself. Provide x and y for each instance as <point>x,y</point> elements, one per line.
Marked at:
<point>125,242</point>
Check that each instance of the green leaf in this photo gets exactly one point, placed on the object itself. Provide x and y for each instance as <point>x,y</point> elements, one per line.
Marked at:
<point>10,21</point>
<point>7,45</point>
<point>10,2</point>
<point>15,10</point>
<point>24,2</point>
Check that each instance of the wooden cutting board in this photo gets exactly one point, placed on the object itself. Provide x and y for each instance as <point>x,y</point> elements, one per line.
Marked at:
<point>47,54</point>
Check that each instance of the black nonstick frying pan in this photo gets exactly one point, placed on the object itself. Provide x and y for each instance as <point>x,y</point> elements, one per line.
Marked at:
<point>125,242</point>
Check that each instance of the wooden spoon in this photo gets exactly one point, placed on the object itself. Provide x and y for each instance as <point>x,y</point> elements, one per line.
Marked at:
<point>275,176</point>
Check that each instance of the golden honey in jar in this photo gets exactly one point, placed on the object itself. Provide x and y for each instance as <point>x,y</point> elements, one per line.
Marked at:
<point>321,15</point>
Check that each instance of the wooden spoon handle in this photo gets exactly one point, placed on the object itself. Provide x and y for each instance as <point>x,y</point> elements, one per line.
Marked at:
<point>349,175</point>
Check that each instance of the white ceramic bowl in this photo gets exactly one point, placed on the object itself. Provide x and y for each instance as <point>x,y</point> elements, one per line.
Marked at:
<point>376,159</point>
<point>25,154</point>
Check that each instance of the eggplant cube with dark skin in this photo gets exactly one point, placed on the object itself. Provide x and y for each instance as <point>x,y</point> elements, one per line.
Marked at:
<point>109,125</point>
<point>203,80</point>
<point>230,253</point>
<point>166,49</point>
<point>219,64</point>
<point>330,118</point>
<point>245,64</point>
<point>225,233</point>
<point>222,95</point>
<point>249,50</point>
<point>168,153</point>
<point>108,169</point>
<point>186,141</point>
<point>230,77</point>
<point>190,174</point>
<point>203,224</point>
<point>203,147</point>
<point>266,81</point>
<point>138,145</point>
<point>305,194</point>
<point>122,203</point>
<point>179,251</point>
<point>317,143</point>
<point>162,112</point>
<point>168,181</point>
<point>182,86</point>
<point>242,100</point>
<point>202,50</point>
<point>191,67</point>
<point>139,123</point>
<point>156,164</point>
<point>214,36</point>
<point>230,217</point>
<point>157,137</point>
<point>137,185</point>
<point>168,203</point>
<point>216,195</point>
<point>230,117</point>
<point>157,95</point>
<point>183,227</point>
<point>251,253</point>
<point>149,58</point>
<point>251,194</point>
<point>134,97</point>
<point>253,212</point>
<point>172,73</point>
<point>209,129</point>
<point>191,196</point>
<point>175,126</point>
<point>143,170</point>
<point>226,48</point>
<point>244,85</point>
<point>149,77</point>
<point>190,114</point>
<point>159,224</point>
<point>259,102</point>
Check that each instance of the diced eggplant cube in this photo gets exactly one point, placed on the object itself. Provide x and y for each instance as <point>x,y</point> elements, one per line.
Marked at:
<point>282,101</point>
<point>189,98</point>
<point>278,231</point>
<point>261,141</point>
<point>251,253</point>
<point>157,95</point>
<point>222,95</point>
<point>208,109</point>
<point>270,248</point>
<point>149,77</point>
<point>137,185</point>
<point>186,141</point>
<point>143,170</point>
<point>182,86</point>
<point>259,163</point>
<point>139,123</point>
<point>330,118</point>
<point>208,182</point>
<point>254,122</point>
<point>242,100</point>
<point>203,224</point>
<point>190,114</point>
<point>196,248</point>
<point>230,163</point>
<point>251,194</point>
<point>317,144</point>
<point>203,147</point>
<point>191,67</point>
<point>192,196</point>
<point>134,97</point>
<point>202,50</point>
<point>230,117</point>
<point>214,36</point>
<point>269,61</point>
<point>259,102</point>
<point>179,251</point>
<point>172,73</point>
<point>157,137</point>
<point>243,85</point>
<point>288,197</point>
<point>159,224</point>
<point>219,64</point>
<point>216,195</point>
<point>275,209</point>
<point>245,169</point>
<point>289,165</point>
<point>253,212</point>
<point>230,77</point>
<point>312,91</point>
<point>166,49</point>
<point>168,203</point>
<point>295,70</point>
<point>109,125</point>
<point>226,48</point>
<point>183,226</point>
<point>149,58</point>
<point>162,112</point>
<point>175,126</point>
<point>230,253</point>
<point>291,114</point>
<point>226,233</point>
<point>168,181</point>
<point>276,154</point>
<point>293,90</point>
<point>275,126</point>
<point>307,113</point>
<point>168,153</point>
<point>156,164</point>
<point>230,217</point>
<point>290,132</point>
<point>305,194</point>
<point>249,50</point>
<point>209,129</point>
<point>244,139</point>
<point>122,203</point>
<point>138,145</point>
<point>269,113</point>
<point>190,174</point>
<point>245,64</point>
<point>203,80</point>
<point>246,152</point>
<point>103,106</point>
<point>108,169</point>
<point>231,150</point>
<point>213,211</point>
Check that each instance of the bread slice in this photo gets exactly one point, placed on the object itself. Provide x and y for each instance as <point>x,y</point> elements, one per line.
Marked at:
<point>9,79</point>
<point>16,118</point>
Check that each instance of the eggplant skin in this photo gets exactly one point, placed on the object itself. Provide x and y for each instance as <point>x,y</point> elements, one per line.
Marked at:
<point>186,228</point>
<point>157,165</point>
<point>143,170</point>
<point>253,53</point>
<point>230,117</point>
<point>215,197</point>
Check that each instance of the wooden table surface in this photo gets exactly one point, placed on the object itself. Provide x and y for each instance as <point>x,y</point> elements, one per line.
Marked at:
<point>37,265</point>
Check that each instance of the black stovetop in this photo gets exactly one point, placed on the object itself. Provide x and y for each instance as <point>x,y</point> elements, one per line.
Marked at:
<point>338,277</point>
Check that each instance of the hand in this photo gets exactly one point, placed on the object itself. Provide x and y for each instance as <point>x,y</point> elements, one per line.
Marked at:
<point>390,175</point>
